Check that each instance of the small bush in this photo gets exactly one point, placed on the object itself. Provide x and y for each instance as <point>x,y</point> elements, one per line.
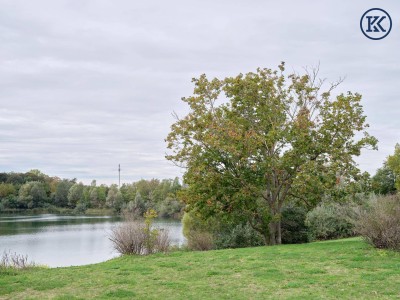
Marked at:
<point>331,221</point>
<point>238,236</point>
<point>128,238</point>
<point>294,229</point>
<point>11,260</point>
<point>200,240</point>
<point>379,224</point>
<point>138,237</point>
<point>211,233</point>
<point>197,232</point>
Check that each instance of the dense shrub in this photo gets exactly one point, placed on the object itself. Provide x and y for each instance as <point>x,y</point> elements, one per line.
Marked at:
<point>379,223</point>
<point>138,237</point>
<point>200,240</point>
<point>213,233</point>
<point>128,238</point>
<point>331,221</point>
<point>238,236</point>
<point>132,238</point>
<point>294,229</point>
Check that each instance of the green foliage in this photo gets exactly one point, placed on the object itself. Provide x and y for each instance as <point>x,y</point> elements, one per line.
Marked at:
<point>102,191</point>
<point>158,195</point>
<point>32,194</point>
<point>252,142</point>
<point>384,180</point>
<point>19,192</point>
<point>331,221</point>
<point>191,221</point>
<point>238,236</point>
<point>75,194</point>
<point>114,198</point>
<point>379,223</point>
<point>393,164</point>
<point>10,202</point>
<point>61,194</point>
<point>6,189</point>
<point>210,233</point>
<point>171,207</point>
<point>294,229</point>
<point>150,234</point>
<point>198,231</point>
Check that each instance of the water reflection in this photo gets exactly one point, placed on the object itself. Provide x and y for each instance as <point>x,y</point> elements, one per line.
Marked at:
<point>56,240</point>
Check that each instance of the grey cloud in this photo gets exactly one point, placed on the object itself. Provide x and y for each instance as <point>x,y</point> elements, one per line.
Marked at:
<point>85,85</point>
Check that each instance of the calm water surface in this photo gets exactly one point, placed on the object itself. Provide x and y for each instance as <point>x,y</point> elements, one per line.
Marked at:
<point>56,240</point>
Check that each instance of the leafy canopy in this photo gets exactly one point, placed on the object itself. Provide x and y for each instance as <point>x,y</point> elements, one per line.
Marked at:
<point>253,141</point>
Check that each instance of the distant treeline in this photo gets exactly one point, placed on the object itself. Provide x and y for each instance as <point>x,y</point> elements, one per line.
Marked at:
<point>35,190</point>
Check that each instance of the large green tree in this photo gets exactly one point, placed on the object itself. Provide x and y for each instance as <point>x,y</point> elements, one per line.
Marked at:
<point>251,142</point>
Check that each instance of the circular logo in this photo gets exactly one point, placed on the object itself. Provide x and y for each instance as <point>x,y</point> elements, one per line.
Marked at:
<point>376,24</point>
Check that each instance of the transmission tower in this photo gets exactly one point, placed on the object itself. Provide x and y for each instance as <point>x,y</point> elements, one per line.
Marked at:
<point>119,175</point>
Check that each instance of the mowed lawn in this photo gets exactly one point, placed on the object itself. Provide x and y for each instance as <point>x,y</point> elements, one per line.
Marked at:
<point>342,269</point>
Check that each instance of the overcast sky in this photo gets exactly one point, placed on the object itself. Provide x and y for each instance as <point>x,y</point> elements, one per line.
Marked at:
<point>86,85</point>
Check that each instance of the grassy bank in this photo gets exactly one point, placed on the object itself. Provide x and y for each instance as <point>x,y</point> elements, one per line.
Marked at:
<point>344,269</point>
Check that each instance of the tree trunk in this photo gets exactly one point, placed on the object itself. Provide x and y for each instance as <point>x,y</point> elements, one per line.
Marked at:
<point>272,233</point>
<point>275,232</point>
<point>279,236</point>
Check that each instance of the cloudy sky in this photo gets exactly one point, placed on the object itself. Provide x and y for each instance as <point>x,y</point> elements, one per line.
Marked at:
<point>86,85</point>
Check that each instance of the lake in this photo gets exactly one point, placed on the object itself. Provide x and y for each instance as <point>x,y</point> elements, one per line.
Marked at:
<point>57,240</point>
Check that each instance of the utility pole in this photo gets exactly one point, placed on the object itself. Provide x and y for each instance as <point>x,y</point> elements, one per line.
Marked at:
<point>119,175</point>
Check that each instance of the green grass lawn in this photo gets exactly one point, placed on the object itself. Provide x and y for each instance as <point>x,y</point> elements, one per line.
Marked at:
<point>342,269</point>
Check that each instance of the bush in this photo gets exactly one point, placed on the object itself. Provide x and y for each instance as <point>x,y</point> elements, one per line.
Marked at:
<point>128,238</point>
<point>138,237</point>
<point>331,221</point>
<point>294,229</point>
<point>200,240</point>
<point>238,236</point>
<point>379,224</point>
<point>212,233</point>
<point>197,232</point>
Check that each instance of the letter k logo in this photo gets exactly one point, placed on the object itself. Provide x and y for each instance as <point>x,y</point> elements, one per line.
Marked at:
<point>371,22</point>
<point>376,24</point>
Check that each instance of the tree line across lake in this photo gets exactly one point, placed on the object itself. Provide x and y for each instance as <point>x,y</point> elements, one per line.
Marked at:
<point>34,190</point>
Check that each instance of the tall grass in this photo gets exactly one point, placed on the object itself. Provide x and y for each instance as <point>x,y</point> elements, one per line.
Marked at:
<point>12,260</point>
